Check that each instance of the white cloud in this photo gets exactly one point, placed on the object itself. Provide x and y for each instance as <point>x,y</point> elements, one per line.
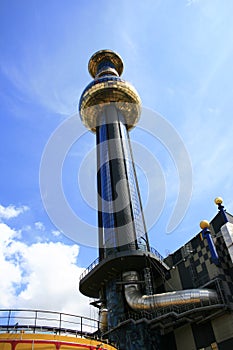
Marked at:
<point>11,211</point>
<point>56,233</point>
<point>51,277</point>
<point>40,275</point>
<point>39,226</point>
<point>10,273</point>
<point>6,234</point>
<point>40,82</point>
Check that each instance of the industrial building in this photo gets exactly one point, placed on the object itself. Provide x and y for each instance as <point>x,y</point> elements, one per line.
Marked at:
<point>145,301</point>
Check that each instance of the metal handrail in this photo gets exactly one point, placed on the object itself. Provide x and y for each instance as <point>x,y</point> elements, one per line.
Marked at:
<point>30,320</point>
<point>156,253</point>
<point>90,267</point>
<point>97,261</point>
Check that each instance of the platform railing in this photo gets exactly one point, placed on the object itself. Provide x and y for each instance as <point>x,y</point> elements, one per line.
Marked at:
<point>90,267</point>
<point>97,261</point>
<point>156,253</point>
<point>43,321</point>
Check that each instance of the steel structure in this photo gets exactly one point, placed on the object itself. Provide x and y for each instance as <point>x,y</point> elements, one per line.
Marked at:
<point>127,273</point>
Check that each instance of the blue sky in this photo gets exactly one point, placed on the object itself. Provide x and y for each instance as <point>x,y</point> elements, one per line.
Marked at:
<point>177,54</point>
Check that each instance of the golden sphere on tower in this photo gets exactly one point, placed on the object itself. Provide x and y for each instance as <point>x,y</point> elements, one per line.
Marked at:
<point>107,88</point>
<point>218,200</point>
<point>204,224</point>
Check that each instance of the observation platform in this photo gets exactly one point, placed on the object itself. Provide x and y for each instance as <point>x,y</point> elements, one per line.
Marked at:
<point>101,271</point>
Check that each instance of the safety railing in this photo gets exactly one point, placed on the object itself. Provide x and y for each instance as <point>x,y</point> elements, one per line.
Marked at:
<point>156,253</point>
<point>90,267</point>
<point>51,322</point>
<point>97,261</point>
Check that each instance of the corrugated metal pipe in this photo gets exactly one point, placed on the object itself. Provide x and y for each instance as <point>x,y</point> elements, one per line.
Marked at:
<point>139,302</point>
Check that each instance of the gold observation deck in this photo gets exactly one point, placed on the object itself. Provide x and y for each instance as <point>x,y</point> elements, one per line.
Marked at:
<point>105,67</point>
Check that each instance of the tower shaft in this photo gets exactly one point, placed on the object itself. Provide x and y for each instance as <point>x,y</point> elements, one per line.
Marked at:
<point>110,107</point>
<point>121,221</point>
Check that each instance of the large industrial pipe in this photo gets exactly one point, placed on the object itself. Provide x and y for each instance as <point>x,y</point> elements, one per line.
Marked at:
<point>103,320</point>
<point>139,302</point>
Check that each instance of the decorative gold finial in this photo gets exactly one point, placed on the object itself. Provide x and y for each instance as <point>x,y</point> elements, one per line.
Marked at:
<point>204,224</point>
<point>105,61</point>
<point>106,66</point>
<point>218,200</point>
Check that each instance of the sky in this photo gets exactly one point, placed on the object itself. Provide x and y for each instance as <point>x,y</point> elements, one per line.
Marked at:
<point>178,55</point>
